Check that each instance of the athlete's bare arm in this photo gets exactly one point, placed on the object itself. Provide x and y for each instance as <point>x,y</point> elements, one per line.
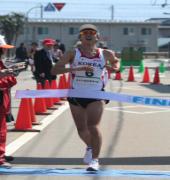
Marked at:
<point>60,68</point>
<point>114,64</point>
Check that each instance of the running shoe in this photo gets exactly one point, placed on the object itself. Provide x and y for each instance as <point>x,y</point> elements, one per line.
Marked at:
<point>94,165</point>
<point>88,155</point>
<point>9,158</point>
<point>5,165</point>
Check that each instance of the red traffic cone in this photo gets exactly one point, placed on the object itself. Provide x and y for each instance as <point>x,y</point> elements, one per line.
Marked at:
<point>131,74</point>
<point>61,83</point>
<point>54,86</point>
<point>39,103</point>
<point>48,101</point>
<point>118,76</point>
<point>32,113</point>
<point>146,77</point>
<point>23,121</point>
<point>69,81</point>
<point>64,81</point>
<point>156,79</point>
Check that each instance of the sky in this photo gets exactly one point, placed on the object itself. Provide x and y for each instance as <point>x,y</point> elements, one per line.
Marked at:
<point>118,10</point>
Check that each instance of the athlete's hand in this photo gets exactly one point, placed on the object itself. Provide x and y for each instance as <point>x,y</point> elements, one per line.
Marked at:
<point>112,68</point>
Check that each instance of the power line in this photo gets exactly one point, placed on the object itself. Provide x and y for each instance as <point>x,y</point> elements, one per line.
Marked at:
<point>73,10</point>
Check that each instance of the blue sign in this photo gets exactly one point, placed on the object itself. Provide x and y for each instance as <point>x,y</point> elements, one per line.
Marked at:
<point>50,7</point>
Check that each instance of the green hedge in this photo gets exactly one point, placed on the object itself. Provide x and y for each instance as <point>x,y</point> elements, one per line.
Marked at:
<point>131,57</point>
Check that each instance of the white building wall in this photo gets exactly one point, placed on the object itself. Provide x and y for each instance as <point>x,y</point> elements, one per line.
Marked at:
<point>111,33</point>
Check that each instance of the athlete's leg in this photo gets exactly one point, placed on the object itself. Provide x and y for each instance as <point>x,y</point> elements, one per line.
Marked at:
<point>94,113</point>
<point>80,119</point>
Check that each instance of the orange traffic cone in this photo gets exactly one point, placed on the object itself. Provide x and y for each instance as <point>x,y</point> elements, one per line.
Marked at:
<point>48,101</point>
<point>156,79</point>
<point>23,121</point>
<point>69,81</point>
<point>54,86</point>
<point>146,77</point>
<point>64,81</point>
<point>32,113</point>
<point>118,76</point>
<point>131,74</point>
<point>39,103</point>
<point>61,83</point>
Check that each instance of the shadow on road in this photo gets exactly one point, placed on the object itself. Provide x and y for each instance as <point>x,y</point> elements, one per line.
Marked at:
<point>153,160</point>
<point>161,88</point>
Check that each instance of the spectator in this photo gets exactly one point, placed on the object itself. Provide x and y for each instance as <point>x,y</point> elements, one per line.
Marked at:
<point>7,80</point>
<point>21,54</point>
<point>77,44</point>
<point>57,53</point>
<point>61,46</point>
<point>31,54</point>
<point>102,45</point>
<point>43,60</point>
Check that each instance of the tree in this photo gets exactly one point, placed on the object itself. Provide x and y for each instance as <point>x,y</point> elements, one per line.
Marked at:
<point>12,26</point>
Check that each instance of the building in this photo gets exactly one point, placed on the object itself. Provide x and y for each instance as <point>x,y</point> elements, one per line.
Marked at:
<point>163,33</point>
<point>115,34</point>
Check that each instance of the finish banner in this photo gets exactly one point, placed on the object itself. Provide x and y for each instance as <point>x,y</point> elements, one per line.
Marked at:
<point>60,93</point>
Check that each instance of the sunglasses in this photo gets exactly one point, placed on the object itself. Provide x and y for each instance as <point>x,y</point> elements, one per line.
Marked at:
<point>91,32</point>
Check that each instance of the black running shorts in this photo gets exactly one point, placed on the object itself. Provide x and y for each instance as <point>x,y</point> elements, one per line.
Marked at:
<point>83,102</point>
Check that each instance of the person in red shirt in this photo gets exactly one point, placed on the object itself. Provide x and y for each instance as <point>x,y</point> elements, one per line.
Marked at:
<point>7,80</point>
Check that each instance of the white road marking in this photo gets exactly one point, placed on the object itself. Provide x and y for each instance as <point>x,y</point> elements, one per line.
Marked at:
<point>138,106</point>
<point>13,93</point>
<point>27,136</point>
<point>124,109</point>
<point>129,88</point>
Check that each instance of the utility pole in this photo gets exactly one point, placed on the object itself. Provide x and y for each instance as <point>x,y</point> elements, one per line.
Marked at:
<point>27,19</point>
<point>42,9</point>
<point>165,3</point>
<point>112,12</point>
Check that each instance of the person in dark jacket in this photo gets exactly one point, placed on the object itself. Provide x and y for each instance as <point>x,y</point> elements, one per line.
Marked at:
<point>7,80</point>
<point>31,53</point>
<point>43,61</point>
<point>21,53</point>
<point>61,46</point>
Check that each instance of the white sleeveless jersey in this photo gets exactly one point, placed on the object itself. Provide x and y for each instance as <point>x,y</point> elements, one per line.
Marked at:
<point>92,81</point>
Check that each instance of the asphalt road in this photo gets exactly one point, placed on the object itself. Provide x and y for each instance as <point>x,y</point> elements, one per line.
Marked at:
<point>135,137</point>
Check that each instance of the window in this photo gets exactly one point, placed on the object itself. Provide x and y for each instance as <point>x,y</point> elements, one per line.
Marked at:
<point>146,31</point>
<point>42,30</point>
<point>125,31</point>
<point>128,31</point>
<point>28,30</point>
<point>73,30</point>
<point>142,49</point>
